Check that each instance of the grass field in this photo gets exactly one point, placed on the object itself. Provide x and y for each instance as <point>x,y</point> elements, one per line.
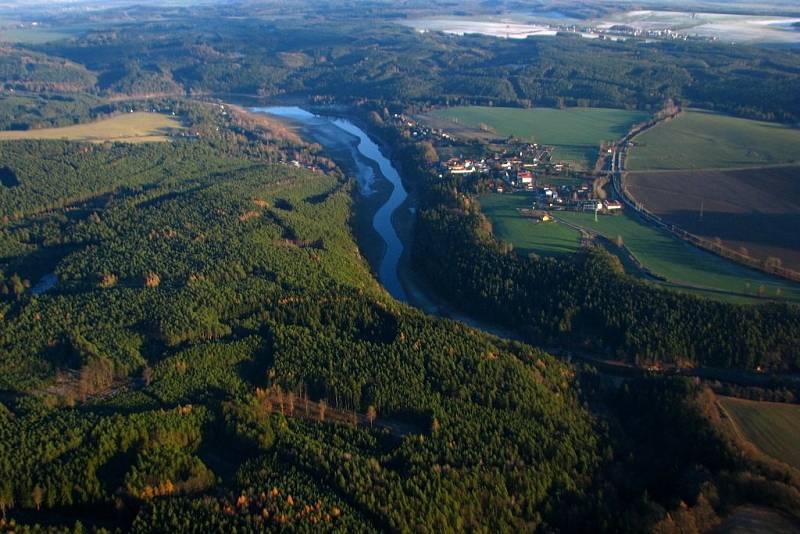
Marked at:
<point>138,127</point>
<point>31,35</point>
<point>772,427</point>
<point>576,133</point>
<point>685,267</point>
<point>548,239</point>
<point>758,209</point>
<point>682,264</point>
<point>705,140</point>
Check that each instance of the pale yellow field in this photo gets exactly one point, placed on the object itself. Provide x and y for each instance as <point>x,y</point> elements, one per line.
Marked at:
<point>137,127</point>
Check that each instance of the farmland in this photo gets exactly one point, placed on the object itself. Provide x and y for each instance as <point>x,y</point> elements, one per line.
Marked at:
<point>756,211</point>
<point>705,140</point>
<point>548,239</point>
<point>576,133</point>
<point>135,127</point>
<point>772,427</point>
<point>683,265</point>
<point>31,35</point>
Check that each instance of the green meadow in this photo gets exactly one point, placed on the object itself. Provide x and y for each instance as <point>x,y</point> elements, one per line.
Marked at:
<point>682,264</point>
<point>705,140</point>
<point>576,133</point>
<point>548,239</point>
<point>772,427</point>
<point>686,268</point>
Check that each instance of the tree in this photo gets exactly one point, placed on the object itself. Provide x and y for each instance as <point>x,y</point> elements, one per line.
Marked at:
<point>6,499</point>
<point>152,280</point>
<point>773,263</point>
<point>290,401</point>
<point>17,285</point>
<point>429,154</point>
<point>108,280</point>
<point>147,375</point>
<point>435,426</point>
<point>372,414</point>
<point>37,495</point>
<point>323,407</point>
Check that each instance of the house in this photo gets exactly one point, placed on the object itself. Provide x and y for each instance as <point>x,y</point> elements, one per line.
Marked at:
<point>590,205</point>
<point>456,166</point>
<point>461,169</point>
<point>525,178</point>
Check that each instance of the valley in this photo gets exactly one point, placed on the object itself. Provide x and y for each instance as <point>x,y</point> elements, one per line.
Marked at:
<point>323,267</point>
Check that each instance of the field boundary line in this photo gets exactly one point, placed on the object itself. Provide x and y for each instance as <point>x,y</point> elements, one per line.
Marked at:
<point>716,169</point>
<point>736,430</point>
<point>618,174</point>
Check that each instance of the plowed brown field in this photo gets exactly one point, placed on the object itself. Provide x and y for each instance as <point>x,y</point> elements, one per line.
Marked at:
<point>758,209</point>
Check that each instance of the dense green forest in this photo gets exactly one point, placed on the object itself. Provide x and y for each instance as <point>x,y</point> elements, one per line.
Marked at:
<point>214,346</point>
<point>192,273</point>
<point>190,339</point>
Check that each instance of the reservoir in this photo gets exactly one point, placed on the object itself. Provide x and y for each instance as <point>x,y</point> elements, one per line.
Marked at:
<point>368,165</point>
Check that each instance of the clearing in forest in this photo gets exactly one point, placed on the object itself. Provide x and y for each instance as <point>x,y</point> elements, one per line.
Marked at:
<point>137,127</point>
<point>527,236</point>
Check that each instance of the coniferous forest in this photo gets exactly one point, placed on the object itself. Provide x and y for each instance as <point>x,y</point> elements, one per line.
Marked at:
<point>191,338</point>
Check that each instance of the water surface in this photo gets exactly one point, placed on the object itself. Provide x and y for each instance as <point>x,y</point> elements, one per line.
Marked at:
<point>368,164</point>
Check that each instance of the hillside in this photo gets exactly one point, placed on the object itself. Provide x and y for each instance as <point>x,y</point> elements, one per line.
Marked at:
<point>22,69</point>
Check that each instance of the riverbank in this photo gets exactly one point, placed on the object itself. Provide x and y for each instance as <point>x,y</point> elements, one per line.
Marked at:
<point>381,194</point>
<point>403,220</point>
<point>419,294</point>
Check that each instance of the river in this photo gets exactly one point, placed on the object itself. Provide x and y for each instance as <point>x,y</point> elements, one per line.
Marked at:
<point>368,164</point>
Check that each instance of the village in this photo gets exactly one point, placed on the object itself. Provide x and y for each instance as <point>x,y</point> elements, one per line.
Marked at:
<point>512,165</point>
<point>529,167</point>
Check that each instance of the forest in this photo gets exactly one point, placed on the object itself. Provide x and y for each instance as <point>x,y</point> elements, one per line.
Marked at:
<point>587,303</point>
<point>191,340</point>
<point>355,58</point>
<point>205,295</point>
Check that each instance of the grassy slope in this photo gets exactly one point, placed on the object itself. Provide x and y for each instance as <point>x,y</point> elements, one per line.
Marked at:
<point>508,225</point>
<point>128,127</point>
<point>575,132</point>
<point>701,139</point>
<point>772,427</point>
<point>681,263</point>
